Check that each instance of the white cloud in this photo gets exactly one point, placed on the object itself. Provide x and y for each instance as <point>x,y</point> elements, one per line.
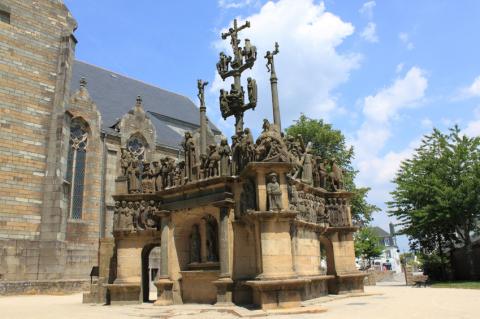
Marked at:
<point>405,38</point>
<point>370,33</point>
<point>473,90</point>
<point>309,66</point>
<point>367,9</point>
<point>234,4</point>
<point>404,92</point>
<point>427,123</point>
<point>377,169</point>
<point>473,127</point>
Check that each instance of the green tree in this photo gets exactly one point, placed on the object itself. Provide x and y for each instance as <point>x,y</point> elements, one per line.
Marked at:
<point>330,143</point>
<point>367,244</point>
<point>436,196</point>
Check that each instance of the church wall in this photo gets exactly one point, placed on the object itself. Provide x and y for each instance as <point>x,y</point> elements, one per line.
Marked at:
<point>32,45</point>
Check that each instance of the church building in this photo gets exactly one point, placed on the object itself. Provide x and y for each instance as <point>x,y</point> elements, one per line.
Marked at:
<point>63,125</point>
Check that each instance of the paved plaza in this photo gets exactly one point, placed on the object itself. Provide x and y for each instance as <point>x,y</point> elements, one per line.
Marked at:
<point>385,301</point>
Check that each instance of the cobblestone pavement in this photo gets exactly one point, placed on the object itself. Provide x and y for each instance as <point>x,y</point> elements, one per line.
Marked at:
<point>386,301</point>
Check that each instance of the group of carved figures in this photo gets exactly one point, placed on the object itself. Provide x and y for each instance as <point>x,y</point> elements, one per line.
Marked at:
<point>311,169</point>
<point>226,160</point>
<point>145,177</point>
<point>315,209</point>
<point>246,55</point>
<point>137,215</point>
<point>236,97</point>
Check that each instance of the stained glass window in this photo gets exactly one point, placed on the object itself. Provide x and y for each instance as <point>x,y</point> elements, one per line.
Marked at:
<point>77,154</point>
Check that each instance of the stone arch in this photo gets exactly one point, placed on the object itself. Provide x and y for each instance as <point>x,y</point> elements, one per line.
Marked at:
<point>147,274</point>
<point>326,249</point>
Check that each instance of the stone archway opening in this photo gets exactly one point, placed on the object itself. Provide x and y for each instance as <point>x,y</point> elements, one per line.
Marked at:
<point>150,271</point>
<point>327,262</point>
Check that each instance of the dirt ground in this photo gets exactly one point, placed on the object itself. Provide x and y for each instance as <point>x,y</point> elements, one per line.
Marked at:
<point>389,300</point>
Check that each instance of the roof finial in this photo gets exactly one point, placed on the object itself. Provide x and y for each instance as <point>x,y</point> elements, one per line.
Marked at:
<point>83,82</point>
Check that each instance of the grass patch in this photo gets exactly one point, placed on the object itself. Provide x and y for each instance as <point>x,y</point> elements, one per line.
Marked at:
<point>457,284</point>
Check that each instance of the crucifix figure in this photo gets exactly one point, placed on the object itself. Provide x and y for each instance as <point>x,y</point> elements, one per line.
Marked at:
<point>201,91</point>
<point>234,41</point>
<point>233,103</point>
<point>273,82</point>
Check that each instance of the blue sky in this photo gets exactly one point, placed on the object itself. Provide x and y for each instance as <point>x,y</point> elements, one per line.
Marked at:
<point>384,72</point>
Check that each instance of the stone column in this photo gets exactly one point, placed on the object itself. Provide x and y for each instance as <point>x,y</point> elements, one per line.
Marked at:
<point>164,284</point>
<point>225,283</point>
<point>275,103</point>
<point>203,130</point>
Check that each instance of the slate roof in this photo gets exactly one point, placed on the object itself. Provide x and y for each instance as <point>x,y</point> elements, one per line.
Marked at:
<point>380,232</point>
<point>115,94</point>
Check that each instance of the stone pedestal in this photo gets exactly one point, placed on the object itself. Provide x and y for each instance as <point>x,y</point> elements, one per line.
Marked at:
<point>123,294</point>
<point>224,292</point>
<point>272,294</point>
<point>164,292</point>
<point>275,244</point>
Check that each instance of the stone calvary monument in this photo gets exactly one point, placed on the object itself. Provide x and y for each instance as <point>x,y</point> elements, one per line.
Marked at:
<point>261,222</point>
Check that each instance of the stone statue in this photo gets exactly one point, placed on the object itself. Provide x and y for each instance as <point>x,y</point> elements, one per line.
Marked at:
<point>157,177</point>
<point>180,173</point>
<point>336,176</point>
<point>133,174</point>
<point>292,196</point>
<point>307,165</point>
<point>252,90</point>
<point>149,215</point>
<point>274,193</point>
<point>249,146</point>
<point>195,244</point>
<point>201,91</point>
<point>225,152</point>
<point>236,155</point>
<point>223,63</point>
<point>142,215</point>
<point>213,161</point>
<point>249,52</point>
<point>248,198</point>
<point>147,179</point>
<point>136,215</point>
<point>266,126</point>
<point>171,164</point>
<point>125,222</point>
<point>116,215</point>
<point>125,160</point>
<point>322,173</point>
<point>223,100</point>
<point>190,156</point>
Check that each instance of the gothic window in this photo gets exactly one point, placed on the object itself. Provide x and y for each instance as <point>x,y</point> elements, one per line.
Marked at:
<point>77,154</point>
<point>136,146</point>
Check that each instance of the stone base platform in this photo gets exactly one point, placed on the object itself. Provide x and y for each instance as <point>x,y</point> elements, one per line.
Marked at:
<point>125,293</point>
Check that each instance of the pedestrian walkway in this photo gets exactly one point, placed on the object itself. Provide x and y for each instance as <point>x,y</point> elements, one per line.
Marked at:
<point>389,300</point>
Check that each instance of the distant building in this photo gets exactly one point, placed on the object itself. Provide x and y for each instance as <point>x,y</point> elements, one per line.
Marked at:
<point>390,258</point>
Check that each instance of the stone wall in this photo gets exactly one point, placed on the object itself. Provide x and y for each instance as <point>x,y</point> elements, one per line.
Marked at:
<point>36,53</point>
<point>43,286</point>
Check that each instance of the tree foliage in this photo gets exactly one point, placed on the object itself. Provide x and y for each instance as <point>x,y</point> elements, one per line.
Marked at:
<point>330,143</point>
<point>367,244</point>
<point>436,196</point>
